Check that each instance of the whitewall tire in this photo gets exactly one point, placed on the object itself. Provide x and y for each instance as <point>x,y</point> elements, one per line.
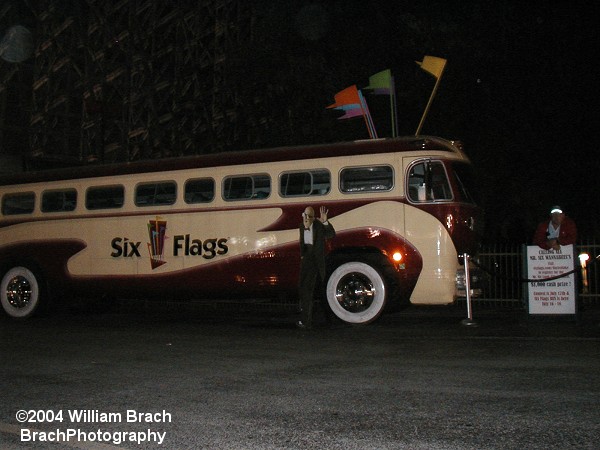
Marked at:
<point>19,292</point>
<point>356,292</point>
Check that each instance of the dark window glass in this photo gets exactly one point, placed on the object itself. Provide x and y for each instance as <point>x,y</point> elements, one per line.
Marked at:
<point>466,182</point>
<point>367,179</point>
<point>105,197</point>
<point>156,194</point>
<point>312,182</point>
<point>59,200</point>
<point>247,187</point>
<point>21,203</point>
<point>201,190</point>
<point>428,181</point>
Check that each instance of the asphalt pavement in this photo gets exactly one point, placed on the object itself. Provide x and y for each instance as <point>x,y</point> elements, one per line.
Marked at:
<point>200,376</point>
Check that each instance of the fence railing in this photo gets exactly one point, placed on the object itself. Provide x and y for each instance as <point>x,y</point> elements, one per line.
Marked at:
<point>502,281</point>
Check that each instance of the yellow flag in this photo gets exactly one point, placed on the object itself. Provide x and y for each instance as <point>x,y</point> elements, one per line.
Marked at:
<point>433,65</point>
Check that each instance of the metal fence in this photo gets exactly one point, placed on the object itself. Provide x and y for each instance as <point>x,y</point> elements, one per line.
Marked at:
<point>503,275</point>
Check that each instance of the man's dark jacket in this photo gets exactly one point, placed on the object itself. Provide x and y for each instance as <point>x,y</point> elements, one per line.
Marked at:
<point>320,234</point>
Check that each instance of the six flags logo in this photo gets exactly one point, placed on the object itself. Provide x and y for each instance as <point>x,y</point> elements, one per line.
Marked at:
<point>183,245</point>
<point>156,246</point>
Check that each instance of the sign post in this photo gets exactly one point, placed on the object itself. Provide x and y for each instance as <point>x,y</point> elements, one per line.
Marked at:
<point>553,294</point>
<point>469,320</point>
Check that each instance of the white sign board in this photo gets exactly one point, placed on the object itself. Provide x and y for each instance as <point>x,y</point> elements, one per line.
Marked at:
<point>555,296</point>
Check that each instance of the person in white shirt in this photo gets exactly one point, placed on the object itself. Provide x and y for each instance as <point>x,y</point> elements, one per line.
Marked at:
<point>313,234</point>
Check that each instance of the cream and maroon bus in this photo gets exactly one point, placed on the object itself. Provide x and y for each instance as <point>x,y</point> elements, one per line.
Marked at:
<point>226,226</point>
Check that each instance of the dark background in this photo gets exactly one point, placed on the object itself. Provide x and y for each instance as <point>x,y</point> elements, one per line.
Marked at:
<point>518,89</point>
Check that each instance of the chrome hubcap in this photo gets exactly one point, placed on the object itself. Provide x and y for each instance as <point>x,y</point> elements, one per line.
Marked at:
<point>355,292</point>
<point>18,292</point>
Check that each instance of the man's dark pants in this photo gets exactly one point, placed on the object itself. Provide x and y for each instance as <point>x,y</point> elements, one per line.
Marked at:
<point>309,275</point>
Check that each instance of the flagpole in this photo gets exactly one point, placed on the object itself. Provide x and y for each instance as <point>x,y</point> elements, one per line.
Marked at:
<point>392,114</point>
<point>364,114</point>
<point>434,66</point>
<point>352,97</point>
<point>368,126</point>
<point>428,106</point>
<point>393,109</point>
<point>367,115</point>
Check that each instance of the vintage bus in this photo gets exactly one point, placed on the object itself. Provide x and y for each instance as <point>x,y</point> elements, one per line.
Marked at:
<point>227,226</point>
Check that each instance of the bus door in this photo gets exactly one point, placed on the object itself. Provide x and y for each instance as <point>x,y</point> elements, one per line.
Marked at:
<point>428,195</point>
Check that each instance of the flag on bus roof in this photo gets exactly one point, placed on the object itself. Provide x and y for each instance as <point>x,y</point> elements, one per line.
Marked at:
<point>352,102</point>
<point>382,83</point>
<point>352,110</point>
<point>433,65</point>
<point>368,118</point>
<point>348,96</point>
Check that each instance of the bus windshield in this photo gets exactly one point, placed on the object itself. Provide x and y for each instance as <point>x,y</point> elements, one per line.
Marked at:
<point>466,182</point>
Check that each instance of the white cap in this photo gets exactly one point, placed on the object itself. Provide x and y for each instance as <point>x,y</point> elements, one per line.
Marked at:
<point>556,209</point>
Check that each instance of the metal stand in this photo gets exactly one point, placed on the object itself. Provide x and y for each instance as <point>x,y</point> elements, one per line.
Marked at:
<point>468,322</point>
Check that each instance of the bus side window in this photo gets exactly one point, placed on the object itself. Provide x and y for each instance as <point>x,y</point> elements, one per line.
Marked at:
<point>19,203</point>
<point>308,183</point>
<point>427,181</point>
<point>156,194</point>
<point>440,188</point>
<point>416,183</point>
<point>262,186</point>
<point>367,179</point>
<point>237,188</point>
<point>200,190</point>
<point>104,197</point>
<point>59,201</point>
<point>246,187</point>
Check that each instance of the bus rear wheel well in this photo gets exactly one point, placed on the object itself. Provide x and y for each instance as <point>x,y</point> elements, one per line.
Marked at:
<point>353,253</point>
<point>370,255</point>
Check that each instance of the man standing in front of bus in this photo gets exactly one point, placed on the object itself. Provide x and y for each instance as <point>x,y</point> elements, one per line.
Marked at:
<point>313,234</point>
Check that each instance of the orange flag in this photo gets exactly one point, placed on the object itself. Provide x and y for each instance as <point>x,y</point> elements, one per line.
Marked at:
<point>348,96</point>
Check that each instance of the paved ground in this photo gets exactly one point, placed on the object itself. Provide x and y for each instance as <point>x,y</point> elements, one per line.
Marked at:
<point>418,379</point>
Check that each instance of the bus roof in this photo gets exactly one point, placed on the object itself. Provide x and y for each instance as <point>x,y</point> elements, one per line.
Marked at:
<point>371,146</point>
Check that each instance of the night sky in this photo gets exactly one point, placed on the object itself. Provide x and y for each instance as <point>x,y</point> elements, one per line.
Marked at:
<point>518,90</point>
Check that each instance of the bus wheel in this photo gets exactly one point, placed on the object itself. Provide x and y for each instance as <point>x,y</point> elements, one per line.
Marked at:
<point>356,292</point>
<point>20,292</point>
